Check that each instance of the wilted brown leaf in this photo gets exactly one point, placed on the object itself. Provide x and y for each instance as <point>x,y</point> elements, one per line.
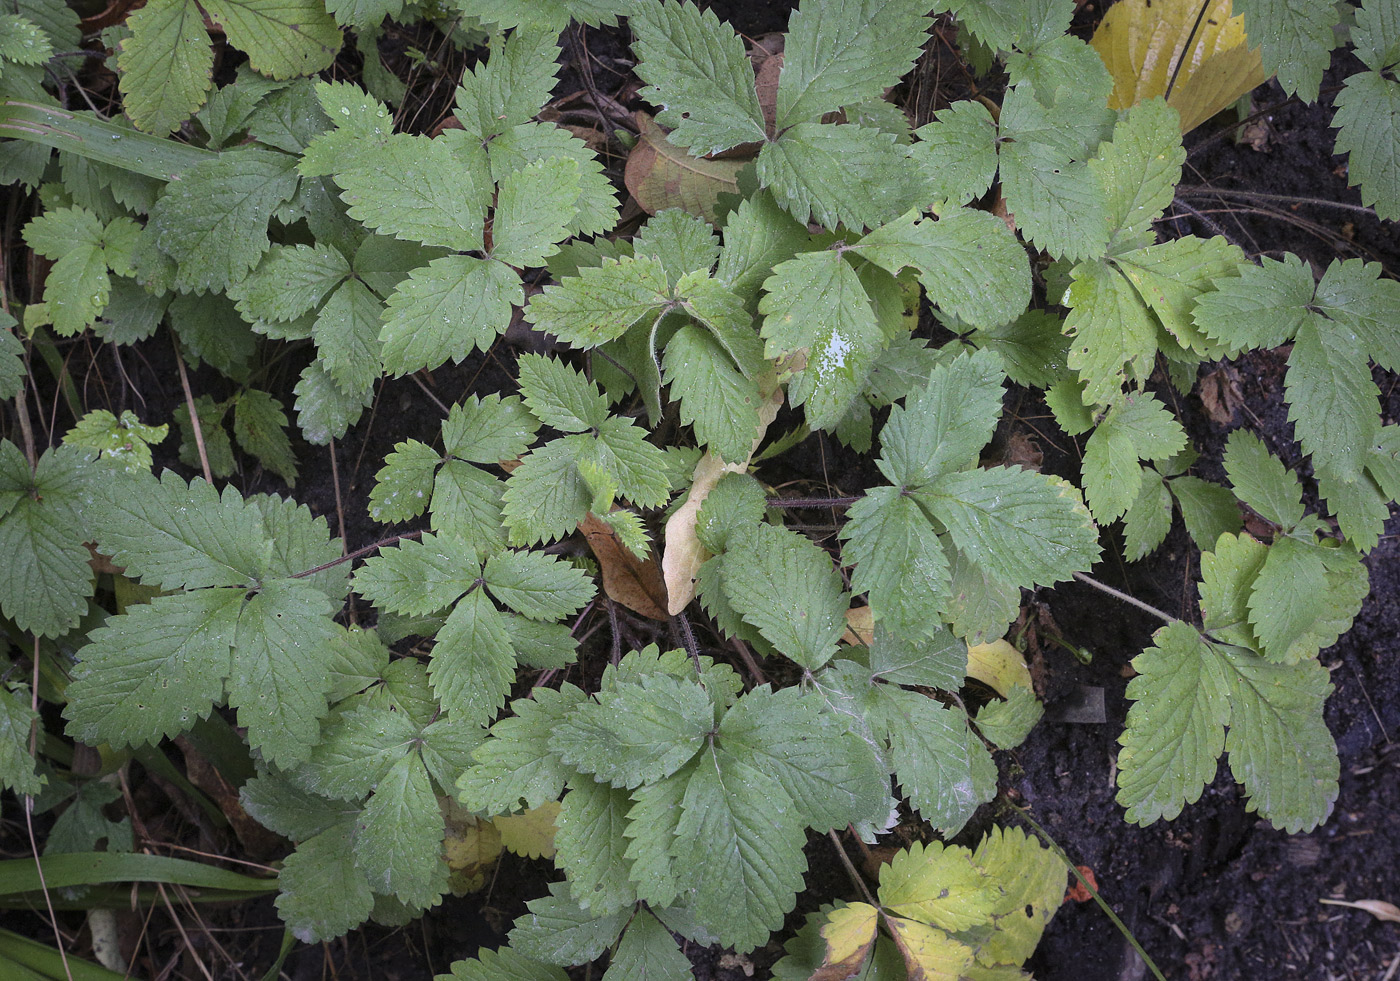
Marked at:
<point>633,582</point>
<point>661,175</point>
<point>1221,395</point>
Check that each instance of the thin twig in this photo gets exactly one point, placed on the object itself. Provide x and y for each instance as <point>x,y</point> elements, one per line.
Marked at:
<point>1118,594</point>
<point>29,815</point>
<point>682,626</point>
<point>851,869</point>
<point>348,556</point>
<point>811,502</point>
<point>194,413</point>
<point>747,656</point>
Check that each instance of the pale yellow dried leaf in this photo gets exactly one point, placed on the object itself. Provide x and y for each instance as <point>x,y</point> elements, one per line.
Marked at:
<point>1378,908</point>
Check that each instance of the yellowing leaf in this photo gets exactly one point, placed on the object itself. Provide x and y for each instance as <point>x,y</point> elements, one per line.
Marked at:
<point>529,835</point>
<point>471,847</point>
<point>998,665</point>
<point>661,175</point>
<point>929,953</point>
<point>1143,41</point>
<point>849,933</point>
<point>938,885</point>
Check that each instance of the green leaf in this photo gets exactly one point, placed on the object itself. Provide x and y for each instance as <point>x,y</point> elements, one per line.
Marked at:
<point>1021,527</point>
<point>833,777</point>
<point>504,964</point>
<point>398,838</point>
<point>648,952</point>
<point>213,221</point>
<point>898,559</point>
<point>943,426</point>
<point>1140,168</point>
<point>467,505</point>
<point>1261,480</point>
<point>785,586</point>
<point>636,733</point>
<point>12,369</point>
<point>1332,399</point>
<point>956,153</point>
<point>942,767</point>
<point>1148,518</point>
<point>838,54</point>
<point>324,412</point>
<point>402,488</point>
<point>357,749</point>
<point>1007,723</point>
<point>515,763</point>
<point>1295,41</point>
<point>1207,509</point>
<point>1176,726</point>
<point>258,425</point>
<point>938,885</point>
<point>738,850</point>
<point>589,843</point>
<point>546,497</point>
<point>847,174</point>
<point>714,397</point>
<point>283,38</point>
<point>1138,427</point>
<point>1002,25</point>
<point>165,65</point>
<point>509,88</point>
<point>1352,295</point>
<point>77,287</point>
<point>363,15</point>
<point>17,770</point>
<point>445,310</point>
<point>1113,334</point>
<point>473,663</point>
<point>415,578</point>
<point>22,41</point>
<point>932,659</point>
<point>534,208</point>
<point>601,302</point>
<point>1171,276</point>
<point>1376,36</point>
<point>291,280</point>
<point>488,430</point>
<point>758,235</point>
<point>683,243</point>
<point>322,894</point>
<point>1032,880</point>
<point>1287,596</point>
<point>596,206</point>
<point>539,586</point>
<point>558,931</point>
<point>414,188</point>
<point>347,336</point>
<point>560,396</point>
<point>1262,307</point>
<point>696,69</point>
<point>147,674</point>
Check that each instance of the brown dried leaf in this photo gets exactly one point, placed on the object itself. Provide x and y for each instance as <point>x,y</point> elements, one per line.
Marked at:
<point>661,175</point>
<point>1221,395</point>
<point>633,582</point>
<point>1378,908</point>
<point>860,626</point>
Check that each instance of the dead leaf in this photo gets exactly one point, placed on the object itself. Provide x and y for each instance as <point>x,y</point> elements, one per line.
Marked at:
<point>1022,451</point>
<point>860,626</point>
<point>531,834</point>
<point>1378,908</point>
<point>1077,892</point>
<point>661,175</point>
<point>767,85</point>
<point>1221,395</point>
<point>257,841</point>
<point>635,583</point>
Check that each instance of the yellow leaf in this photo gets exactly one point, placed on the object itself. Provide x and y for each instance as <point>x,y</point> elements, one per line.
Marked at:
<point>1143,41</point>
<point>860,626</point>
<point>929,953</point>
<point>850,934</point>
<point>661,175</point>
<point>998,665</point>
<point>938,885</point>
<point>529,835</point>
<point>471,847</point>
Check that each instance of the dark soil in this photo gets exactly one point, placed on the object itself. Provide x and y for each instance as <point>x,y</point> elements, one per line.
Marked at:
<point>1217,893</point>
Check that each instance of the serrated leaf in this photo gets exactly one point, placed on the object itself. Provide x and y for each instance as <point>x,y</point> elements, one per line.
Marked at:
<point>290,281</point>
<point>1295,40</point>
<point>467,505</point>
<point>1020,526</point>
<point>602,301</point>
<point>398,838</point>
<point>488,430</point>
<point>536,585</point>
<point>1175,731</point>
<point>648,952</point>
<point>956,152</point>
<point>833,777</point>
<point>445,310</point>
<point>938,885</point>
<point>77,287</point>
<point>413,188</point>
<point>1354,297</point>
<point>363,15</point>
<point>560,396</point>
<point>1001,25</point>
<point>839,54</point>
<point>944,425</point>
<point>515,763</point>
<point>322,894</point>
<point>695,67</point>
<point>1207,509</point>
<point>849,934</point>
<point>1114,338</point>
<point>1261,480</point>
<point>1006,723</point>
<point>1262,307</point>
<point>1138,427</point>
<point>943,768</point>
<point>785,586</point>
<point>509,88</point>
<point>16,764</point>
<point>898,559</point>
<point>714,397</point>
<point>682,242</point>
<point>419,577</point>
<point>591,846</point>
<point>1148,518</point>
<point>844,174</point>
<point>324,412</point>
<point>534,209</point>
<point>546,497</point>
<point>258,425</point>
<point>403,486</point>
<point>595,210</point>
<point>1140,168</point>
<point>558,931</point>
<point>473,663</point>
<point>12,369</point>
<point>357,749</point>
<point>213,221</point>
<point>1171,276</point>
<point>738,850</point>
<point>1287,595</point>
<point>1332,399</point>
<point>165,65</point>
<point>638,467</point>
<point>283,38</point>
<point>758,235</point>
<point>1032,880</point>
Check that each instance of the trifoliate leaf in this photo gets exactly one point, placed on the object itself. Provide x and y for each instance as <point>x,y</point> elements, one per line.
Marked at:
<point>696,69</point>
<point>536,585</point>
<point>637,466</point>
<point>165,65</point>
<point>738,850</point>
<point>714,397</point>
<point>1020,526</point>
<point>413,188</point>
<point>838,54</point>
<point>398,837</point>
<point>534,208</point>
<point>956,153</point>
<point>1176,727</point>
<point>1287,596</point>
<point>1261,480</point>
<point>648,952</point>
<point>515,763</point>
<point>846,174</point>
<point>559,931</point>
<point>560,396</point>
<point>1140,168</point>
<point>898,559</point>
<point>149,673</point>
<point>1139,427</point>
<point>833,777</point>
<point>1332,399</point>
<point>943,768</point>
<point>445,310</point>
<point>602,301</point>
<point>125,442</point>
<point>213,221</point>
<point>1262,307</point>
<point>943,426</point>
<point>322,893</point>
<point>590,845</point>
<point>636,734</point>
<point>509,88</point>
<point>1295,40</point>
<point>785,586</point>
<point>473,663</point>
<point>969,262</point>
